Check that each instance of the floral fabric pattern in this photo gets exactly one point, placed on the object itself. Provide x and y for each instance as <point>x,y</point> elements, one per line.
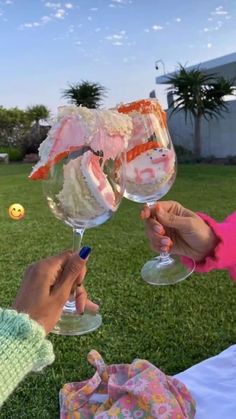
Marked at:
<point>137,390</point>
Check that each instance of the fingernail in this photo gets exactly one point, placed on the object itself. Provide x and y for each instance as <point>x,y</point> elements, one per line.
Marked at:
<point>142,215</point>
<point>84,252</point>
<point>158,229</point>
<point>165,241</point>
<point>159,209</point>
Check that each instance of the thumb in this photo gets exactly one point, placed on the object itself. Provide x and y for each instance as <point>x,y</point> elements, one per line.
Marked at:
<point>169,219</point>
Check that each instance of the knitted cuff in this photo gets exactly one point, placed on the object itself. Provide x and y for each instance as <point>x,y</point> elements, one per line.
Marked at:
<point>23,348</point>
<point>223,256</point>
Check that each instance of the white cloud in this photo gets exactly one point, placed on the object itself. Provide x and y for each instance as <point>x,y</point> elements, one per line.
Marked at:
<point>209,45</point>
<point>119,3</point>
<point>60,14</point>
<point>210,19</point>
<point>93,9</point>
<point>147,30</point>
<point>219,11</point>
<point>43,21</point>
<point>53,5</point>
<point>46,19</point>
<point>90,18</point>
<point>117,43</point>
<point>30,25</point>
<point>9,2</point>
<point>206,30</point>
<point>78,43</point>
<point>178,19</point>
<point>97,29</point>
<point>117,37</point>
<point>157,27</point>
<point>69,6</point>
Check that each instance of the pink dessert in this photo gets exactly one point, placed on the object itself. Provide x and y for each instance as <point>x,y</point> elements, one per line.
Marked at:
<point>90,138</point>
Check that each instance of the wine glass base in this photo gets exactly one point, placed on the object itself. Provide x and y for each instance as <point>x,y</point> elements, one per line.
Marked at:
<point>157,272</point>
<point>74,324</point>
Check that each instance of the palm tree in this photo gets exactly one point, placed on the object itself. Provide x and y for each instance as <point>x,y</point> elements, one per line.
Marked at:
<point>201,96</point>
<point>85,94</point>
<point>36,133</point>
<point>36,113</point>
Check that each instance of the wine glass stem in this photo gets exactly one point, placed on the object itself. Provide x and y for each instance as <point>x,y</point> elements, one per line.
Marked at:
<point>164,256</point>
<point>77,240</point>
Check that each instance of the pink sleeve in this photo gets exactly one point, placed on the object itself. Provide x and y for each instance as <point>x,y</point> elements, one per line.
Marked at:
<point>224,256</point>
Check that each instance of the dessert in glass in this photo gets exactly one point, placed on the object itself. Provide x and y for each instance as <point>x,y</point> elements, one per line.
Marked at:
<point>150,173</point>
<point>81,166</point>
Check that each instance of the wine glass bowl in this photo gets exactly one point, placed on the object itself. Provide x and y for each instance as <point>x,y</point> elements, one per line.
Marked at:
<point>81,198</point>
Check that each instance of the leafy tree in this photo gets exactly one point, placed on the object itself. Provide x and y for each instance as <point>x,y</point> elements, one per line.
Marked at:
<point>14,125</point>
<point>201,96</point>
<point>85,94</point>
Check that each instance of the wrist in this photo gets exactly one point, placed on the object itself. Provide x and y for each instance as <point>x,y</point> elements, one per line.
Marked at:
<point>211,242</point>
<point>222,255</point>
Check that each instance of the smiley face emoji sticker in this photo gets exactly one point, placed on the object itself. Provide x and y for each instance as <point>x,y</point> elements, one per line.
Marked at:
<point>16,212</point>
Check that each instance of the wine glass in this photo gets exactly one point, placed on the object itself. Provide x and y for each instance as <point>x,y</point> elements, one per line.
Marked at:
<point>83,184</point>
<point>150,173</point>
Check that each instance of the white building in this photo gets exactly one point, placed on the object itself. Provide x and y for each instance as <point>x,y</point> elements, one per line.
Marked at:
<point>218,136</point>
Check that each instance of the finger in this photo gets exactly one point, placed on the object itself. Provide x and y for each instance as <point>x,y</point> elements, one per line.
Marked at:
<point>80,299</point>
<point>60,258</point>
<point>53,266</point>
<point>169,219</point>
<point>159,241</point>
<point>90,306</point>
<point>145,213</point>
<point>74,270</point>
<point>155,226</point>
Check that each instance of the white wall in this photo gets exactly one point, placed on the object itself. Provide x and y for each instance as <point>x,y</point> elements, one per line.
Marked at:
<point>218,136</point>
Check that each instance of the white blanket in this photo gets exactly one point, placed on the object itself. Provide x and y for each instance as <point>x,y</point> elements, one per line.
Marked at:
<point>212,384</point>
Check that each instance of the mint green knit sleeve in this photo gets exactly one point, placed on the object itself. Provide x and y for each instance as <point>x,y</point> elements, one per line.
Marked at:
<point>23,348</point>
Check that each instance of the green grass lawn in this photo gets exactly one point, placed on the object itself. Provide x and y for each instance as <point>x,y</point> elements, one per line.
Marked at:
<point>173,327</point>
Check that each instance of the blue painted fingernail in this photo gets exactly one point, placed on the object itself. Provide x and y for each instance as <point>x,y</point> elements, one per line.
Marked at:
<point>84,252</point>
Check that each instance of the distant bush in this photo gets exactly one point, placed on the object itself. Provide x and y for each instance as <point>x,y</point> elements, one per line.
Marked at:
<point>15,154</point>
<point>231,160</point>
<point>184,155</point>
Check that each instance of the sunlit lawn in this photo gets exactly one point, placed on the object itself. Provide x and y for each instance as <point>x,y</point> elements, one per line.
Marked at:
<point>173,327</point>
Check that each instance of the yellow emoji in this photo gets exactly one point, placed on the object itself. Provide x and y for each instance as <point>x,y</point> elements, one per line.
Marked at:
<point>16,211</point>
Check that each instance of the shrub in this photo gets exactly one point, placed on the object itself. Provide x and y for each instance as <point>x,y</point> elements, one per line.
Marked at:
<point>184,155</point>
<point>15,154</point>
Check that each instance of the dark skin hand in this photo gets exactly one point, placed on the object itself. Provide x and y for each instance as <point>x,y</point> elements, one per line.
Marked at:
<point>46,287</point>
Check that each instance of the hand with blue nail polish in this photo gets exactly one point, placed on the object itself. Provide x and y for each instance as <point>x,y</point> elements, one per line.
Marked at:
<point>47,285</point>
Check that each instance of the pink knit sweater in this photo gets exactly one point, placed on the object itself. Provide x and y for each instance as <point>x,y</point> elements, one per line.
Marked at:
<point>224,256</point>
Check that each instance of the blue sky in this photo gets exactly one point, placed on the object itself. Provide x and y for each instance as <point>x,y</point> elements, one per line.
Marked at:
<point>46,44</point>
